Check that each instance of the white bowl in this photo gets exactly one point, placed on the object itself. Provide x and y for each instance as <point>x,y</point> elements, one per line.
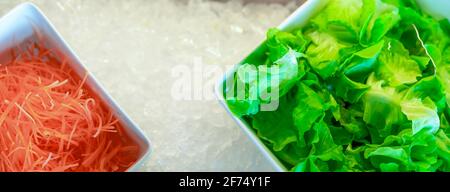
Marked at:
<point>436,8</point>
<point>27,22</point>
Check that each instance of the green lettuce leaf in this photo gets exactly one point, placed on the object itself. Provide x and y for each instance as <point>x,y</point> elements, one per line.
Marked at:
<point>395,65</point>
<point>423,114</point>
<point>341,20</point>
<point>310,108</point>
<point>364,86</point>
<point>323,54</point>
<point>382,111</point>
<point>276,127</point>
<point>257,83</point>
<point>381,19</point>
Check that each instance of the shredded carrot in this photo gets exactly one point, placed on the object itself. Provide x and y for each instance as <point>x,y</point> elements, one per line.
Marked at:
<point>50,121</point>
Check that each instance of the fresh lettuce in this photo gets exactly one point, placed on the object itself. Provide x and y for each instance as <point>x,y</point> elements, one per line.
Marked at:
<point>364,86</point>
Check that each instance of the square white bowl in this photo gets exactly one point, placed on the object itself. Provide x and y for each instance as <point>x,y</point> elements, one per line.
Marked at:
<point>26,22</point>
<point>436,8</point>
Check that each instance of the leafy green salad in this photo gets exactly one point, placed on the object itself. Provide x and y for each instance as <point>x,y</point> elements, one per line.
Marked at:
<point>364,86</point>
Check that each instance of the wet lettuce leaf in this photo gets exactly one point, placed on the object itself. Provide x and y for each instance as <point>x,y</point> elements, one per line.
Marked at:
<point>364,86</point>
<point>323,53</point>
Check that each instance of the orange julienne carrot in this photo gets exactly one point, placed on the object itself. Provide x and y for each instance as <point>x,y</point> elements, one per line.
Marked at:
<point>50,121</point>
